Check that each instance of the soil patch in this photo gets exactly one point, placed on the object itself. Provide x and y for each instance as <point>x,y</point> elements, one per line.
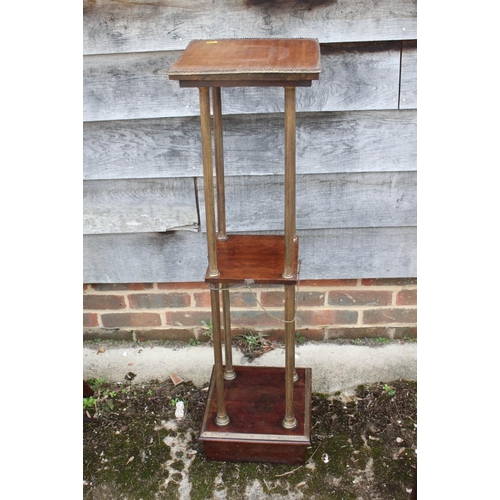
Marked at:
<point>363,447</point>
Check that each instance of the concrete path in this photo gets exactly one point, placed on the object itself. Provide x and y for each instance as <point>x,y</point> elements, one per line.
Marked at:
<point>334,367</point>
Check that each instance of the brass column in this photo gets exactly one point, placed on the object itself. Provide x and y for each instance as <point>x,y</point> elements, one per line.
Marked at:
<point>289,421</point>
<point>222,417</point>
<point>219,164</point>
<point>206,144</point>
<point>229,373</point>
<point>289,180</point>
<point>208,177</point>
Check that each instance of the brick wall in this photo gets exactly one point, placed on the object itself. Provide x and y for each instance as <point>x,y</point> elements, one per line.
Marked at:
<point>326,309</point>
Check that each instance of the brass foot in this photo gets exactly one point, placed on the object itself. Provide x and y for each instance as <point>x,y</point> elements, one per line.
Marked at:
<point>229,375</point>
<point>221,421</point>
<point>289,423</point>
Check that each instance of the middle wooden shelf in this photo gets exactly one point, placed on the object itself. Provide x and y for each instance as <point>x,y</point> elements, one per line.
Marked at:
<point>259,258</point>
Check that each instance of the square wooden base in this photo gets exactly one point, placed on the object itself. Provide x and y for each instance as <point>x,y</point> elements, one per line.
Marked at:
<point>255,403</point>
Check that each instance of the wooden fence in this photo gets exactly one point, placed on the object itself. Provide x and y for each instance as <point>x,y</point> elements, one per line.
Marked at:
<point>356,139</point>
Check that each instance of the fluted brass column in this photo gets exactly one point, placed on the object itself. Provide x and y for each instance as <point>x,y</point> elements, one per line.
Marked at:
<point>206,144</point>
<point>219,164</point>
<point>208,178</point>
<point>229,373</point>
<point>222,417</point>
<point>290,228</point>
<point>289,422</point>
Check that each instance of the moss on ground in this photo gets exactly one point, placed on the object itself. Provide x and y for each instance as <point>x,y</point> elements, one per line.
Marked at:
<point>363,446</point>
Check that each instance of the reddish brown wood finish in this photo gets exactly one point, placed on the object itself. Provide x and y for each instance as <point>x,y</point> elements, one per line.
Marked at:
<point>255,402</point>
<point>249,62</point>
<point>256,257</point>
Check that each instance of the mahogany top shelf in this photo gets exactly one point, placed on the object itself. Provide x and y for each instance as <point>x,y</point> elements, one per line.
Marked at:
<point>248,62</point>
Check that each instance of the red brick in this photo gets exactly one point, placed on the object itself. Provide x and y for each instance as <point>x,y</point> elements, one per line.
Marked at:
<point>167,334</point>
<point>360,298</point>
<point>325,317</point>
<point>304,299</point>
<point>389,281</point>
<point>90,320</point>
<point>117,320</point>
<point>312,333</point>
<point>187,318</point>
<point>242,299</point>
<point>329,283</point>
<point>159,300</point>
<point>107,334</point>
<point>276,298</point>
<point>279,334</point>
<point>389,316</point>
<point>110,287</point>
<point>257,318</point>
<point>407,297</point>
<point>355,332</point>
<point>190,285</point>
<point>103,302</point>
<point>202,299</point>
<point>310,299</point>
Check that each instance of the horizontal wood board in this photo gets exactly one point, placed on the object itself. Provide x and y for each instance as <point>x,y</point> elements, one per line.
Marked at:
<point>329,142</point>
<point>139,205</point>
<point>133,86</point>
<point>178,256</point>
<point>156,25</point>
<point>408,95</point>
<point>323,201</point>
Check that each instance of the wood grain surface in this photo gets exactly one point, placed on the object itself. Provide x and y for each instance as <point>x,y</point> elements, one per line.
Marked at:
<point>154,25</point>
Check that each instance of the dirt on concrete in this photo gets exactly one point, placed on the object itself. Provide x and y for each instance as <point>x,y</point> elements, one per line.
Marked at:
<point>363,446</point>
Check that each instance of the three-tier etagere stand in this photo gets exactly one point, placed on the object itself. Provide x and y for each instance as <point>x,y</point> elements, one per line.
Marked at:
<point>252,413</point>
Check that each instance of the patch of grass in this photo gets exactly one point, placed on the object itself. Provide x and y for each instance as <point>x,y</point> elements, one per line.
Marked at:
<point>389,389</point>
<point>89,402</point>
<point>252,344</point>
<point>406,338</point>
<point>383,340</point>
<point>300,339</point>
<point>209,329</point>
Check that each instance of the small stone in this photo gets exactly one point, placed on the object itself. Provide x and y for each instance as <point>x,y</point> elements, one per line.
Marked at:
<point>179,410</point>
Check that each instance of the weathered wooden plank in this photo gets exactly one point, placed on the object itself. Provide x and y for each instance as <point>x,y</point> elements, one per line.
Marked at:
<point>380,252</point>
<point>139,205</point>
<point>370,199</point>
<point>151,25</point>
<point>253,144</point>
<point>168,147</point>
<point>133,86</point>
<point>144,257</point>
<point>408,94</point>
<point>181,256</point>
